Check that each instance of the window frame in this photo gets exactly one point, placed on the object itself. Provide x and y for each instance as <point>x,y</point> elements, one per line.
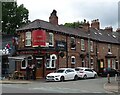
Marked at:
<point>109,48</point>
<point>73,58</point>
<point>51,39</point>
<point>82,44</point>
<point>28,36</point>
<point>72,41</point>
<point>25,64</point>
<point>91,46</point>
<point>51,59</point>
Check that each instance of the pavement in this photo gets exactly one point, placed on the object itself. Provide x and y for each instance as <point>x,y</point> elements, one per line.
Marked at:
<point>113,86</point>
<point>20,81</point>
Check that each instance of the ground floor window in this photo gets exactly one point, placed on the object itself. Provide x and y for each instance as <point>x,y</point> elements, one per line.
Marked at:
<point>109,63</point>
<point>23,64</point>
<point>51,62</point>
<point>72,59</point>
<point>83,63</point>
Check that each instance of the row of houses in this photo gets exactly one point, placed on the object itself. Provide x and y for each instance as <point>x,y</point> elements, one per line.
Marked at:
<point>50,46</point>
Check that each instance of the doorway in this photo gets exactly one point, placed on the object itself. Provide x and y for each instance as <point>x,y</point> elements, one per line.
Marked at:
<point>40,67</point>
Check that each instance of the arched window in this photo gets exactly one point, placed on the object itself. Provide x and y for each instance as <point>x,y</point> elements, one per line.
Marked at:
<point>72,59</point>
<point>51,63</point>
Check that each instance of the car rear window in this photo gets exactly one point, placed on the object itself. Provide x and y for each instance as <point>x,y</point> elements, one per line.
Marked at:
<point>77,69</point>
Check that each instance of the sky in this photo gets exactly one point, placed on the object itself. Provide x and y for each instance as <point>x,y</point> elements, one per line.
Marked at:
<point>69,11</point>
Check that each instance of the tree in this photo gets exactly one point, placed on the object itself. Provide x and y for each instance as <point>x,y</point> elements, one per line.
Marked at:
<point>13,17</point>
<point>74,24</point>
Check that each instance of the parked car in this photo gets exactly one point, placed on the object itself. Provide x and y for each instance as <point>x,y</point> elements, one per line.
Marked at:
<point>110,71</point>
<point>84,72</point>
<point>62,74</point>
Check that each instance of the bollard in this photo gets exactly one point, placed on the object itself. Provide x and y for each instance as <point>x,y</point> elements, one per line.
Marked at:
<point>108,77</point>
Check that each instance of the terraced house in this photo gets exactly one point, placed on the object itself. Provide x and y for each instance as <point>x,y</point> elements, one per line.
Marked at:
<point>50,46</point>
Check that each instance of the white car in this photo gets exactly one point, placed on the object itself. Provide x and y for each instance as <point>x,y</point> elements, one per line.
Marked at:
<point>84,72</point>
<point>62,74</point>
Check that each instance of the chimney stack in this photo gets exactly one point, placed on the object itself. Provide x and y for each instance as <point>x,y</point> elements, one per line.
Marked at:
<point>86,25</point>
<point>95,24</point>
<point>109,29</point>
<point>53,18</point>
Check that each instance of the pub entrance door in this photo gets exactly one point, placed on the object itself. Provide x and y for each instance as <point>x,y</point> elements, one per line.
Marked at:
<point>40,67</point>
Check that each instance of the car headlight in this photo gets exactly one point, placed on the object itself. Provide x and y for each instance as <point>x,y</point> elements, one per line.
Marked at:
<point>57,75</point>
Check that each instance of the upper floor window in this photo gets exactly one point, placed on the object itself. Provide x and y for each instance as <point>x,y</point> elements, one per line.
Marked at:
<point>73,45</point>
<point>72,59</point>
<point>91,46</point>
<point>109,48</point>
<point>51,39</point>
<point>82,44</point>
<point>28,39</point>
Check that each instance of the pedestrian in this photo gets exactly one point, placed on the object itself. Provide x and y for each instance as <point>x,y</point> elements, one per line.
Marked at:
<point>28,72</point>
<point>34,72</point>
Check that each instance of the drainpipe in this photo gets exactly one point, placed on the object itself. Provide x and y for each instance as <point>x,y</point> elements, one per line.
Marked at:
<point>66,51</point>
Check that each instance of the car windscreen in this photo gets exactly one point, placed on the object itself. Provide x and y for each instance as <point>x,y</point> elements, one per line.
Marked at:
<point>59,71</point>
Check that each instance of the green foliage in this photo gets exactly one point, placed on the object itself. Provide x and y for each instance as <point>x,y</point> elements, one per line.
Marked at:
<point>13,16</point>
<point>73,25</point>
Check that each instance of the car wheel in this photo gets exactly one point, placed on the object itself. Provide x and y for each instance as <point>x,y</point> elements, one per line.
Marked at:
<point>95,76</point>
<point>75,77</point>
<point>62,78</point>
<point>85,76</point>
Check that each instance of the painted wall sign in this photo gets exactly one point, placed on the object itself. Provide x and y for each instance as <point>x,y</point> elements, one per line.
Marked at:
<point>61,45</point>
<point>38,38</point>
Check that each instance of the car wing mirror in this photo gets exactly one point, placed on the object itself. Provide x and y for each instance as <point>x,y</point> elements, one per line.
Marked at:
<point>65,72</point>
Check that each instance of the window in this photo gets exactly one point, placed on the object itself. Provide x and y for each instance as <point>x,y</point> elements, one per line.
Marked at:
<point>82,44</point>
<point>91,46</point>
<point>23,64</point>
<point>51,62</point>
<point>28,39</point>
<point>73,45</point>
<point>109,63</point>
<point>92,62</point>
<point>51,39</point>
<point>72,59</point>
<point>109,48</point>
<point>83,63</point>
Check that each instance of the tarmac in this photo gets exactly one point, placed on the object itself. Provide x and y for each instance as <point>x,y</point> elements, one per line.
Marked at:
<point>113,86</point>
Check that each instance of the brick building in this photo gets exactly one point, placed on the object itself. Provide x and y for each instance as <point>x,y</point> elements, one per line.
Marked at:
<point>50,46</point>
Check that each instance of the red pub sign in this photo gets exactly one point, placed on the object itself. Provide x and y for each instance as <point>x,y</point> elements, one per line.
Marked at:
<point>38,38</point>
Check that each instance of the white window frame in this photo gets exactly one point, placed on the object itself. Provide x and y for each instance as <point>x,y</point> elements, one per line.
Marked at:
<point>52,60</point>
<point>109,62</point>
<point>82,44</point>
<point>91,46</point>
<point>27,38</point>
<point>73,58</point>
<point>51,39</point>
<point>72,38</point>
<point>25,64</point>
<point>109,47</point>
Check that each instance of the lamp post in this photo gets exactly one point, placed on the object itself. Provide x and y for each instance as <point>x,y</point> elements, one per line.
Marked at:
<point>89,58</point>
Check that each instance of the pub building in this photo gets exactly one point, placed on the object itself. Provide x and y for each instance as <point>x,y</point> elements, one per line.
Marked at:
<point>51,46</point>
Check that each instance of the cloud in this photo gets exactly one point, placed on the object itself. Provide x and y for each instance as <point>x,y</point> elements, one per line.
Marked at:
<point>74,10</point>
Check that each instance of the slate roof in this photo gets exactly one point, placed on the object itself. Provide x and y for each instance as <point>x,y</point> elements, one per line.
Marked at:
<point>99,35</point>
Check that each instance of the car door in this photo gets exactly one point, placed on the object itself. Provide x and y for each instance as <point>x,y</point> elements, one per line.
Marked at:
<point>72,74</point>
<point>87,72</point>
<point>91,73</point>
<point>68,74</point>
